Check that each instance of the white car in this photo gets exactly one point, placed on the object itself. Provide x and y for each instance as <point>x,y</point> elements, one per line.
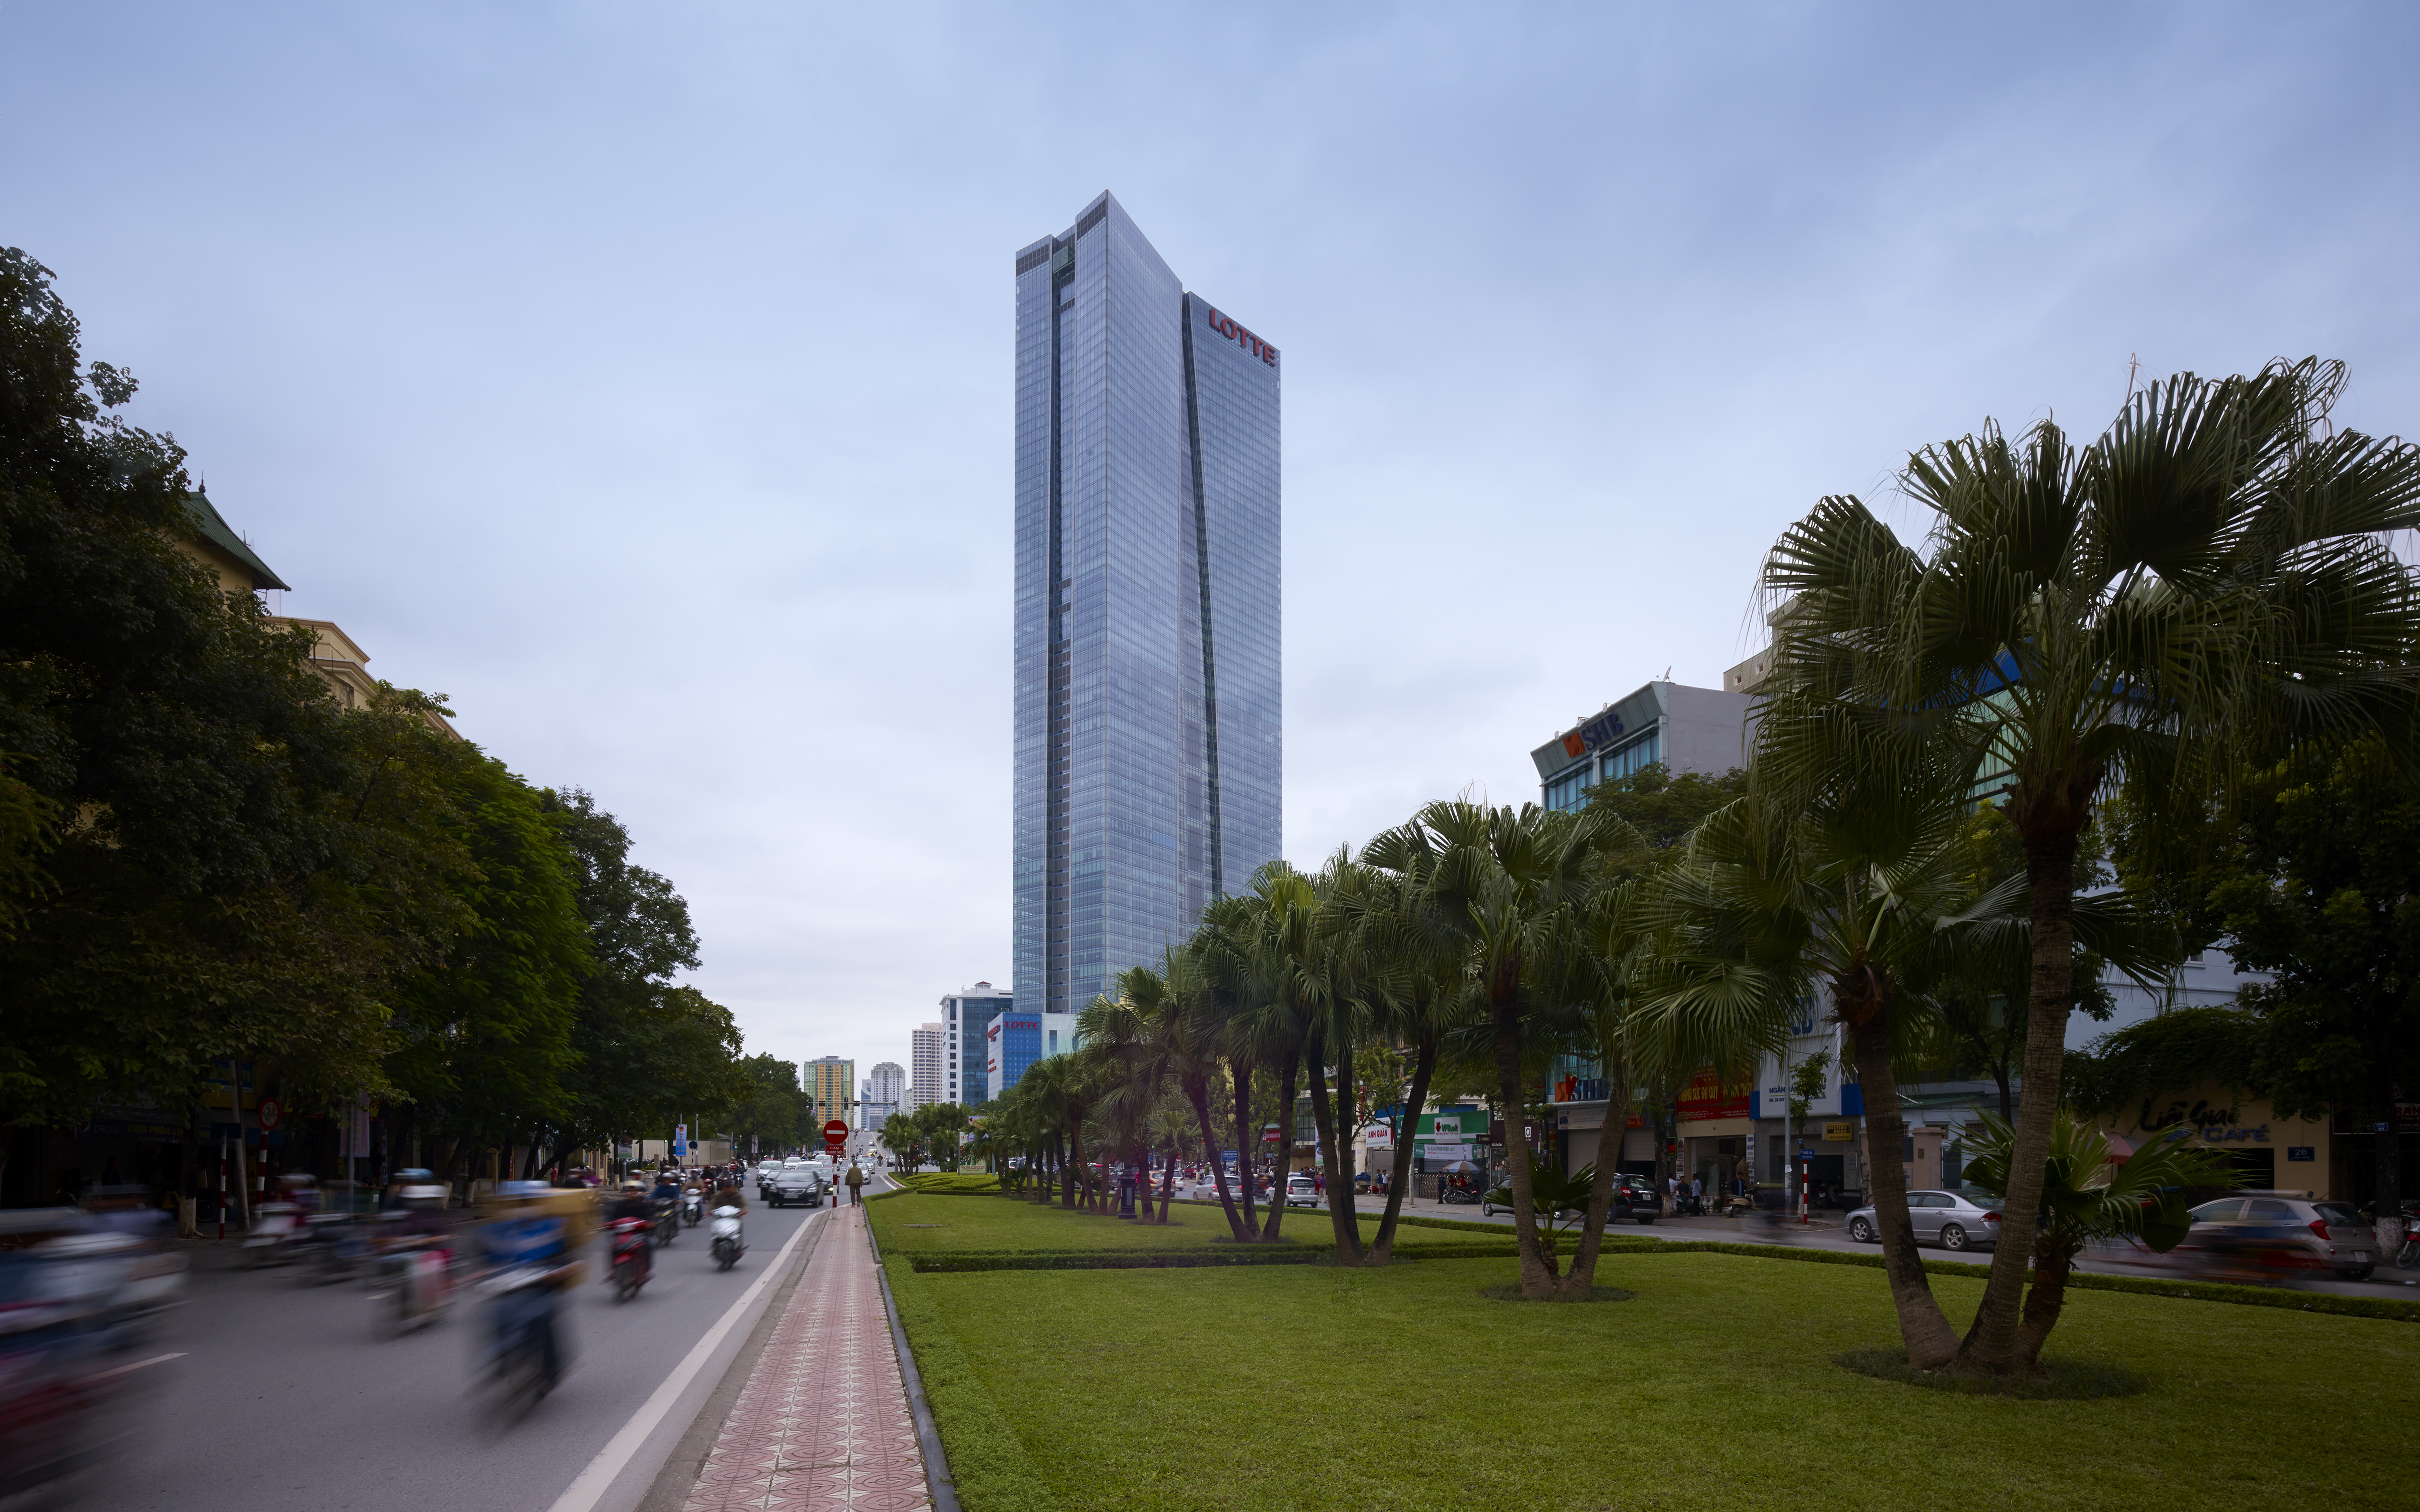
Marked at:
<point>1303,1192</point>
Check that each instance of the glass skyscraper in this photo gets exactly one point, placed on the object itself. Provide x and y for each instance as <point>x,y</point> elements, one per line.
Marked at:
<point>1149,744</point>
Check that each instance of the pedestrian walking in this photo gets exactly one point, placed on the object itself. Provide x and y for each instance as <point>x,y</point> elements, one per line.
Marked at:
<point>856,1180</point>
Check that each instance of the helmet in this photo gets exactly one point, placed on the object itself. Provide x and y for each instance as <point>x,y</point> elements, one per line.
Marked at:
<point>424,1193</point>
<point>634,1184</point>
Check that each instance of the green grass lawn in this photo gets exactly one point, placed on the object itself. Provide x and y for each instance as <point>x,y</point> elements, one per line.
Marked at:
<point>1298,1387</point>
<point>916,1223</point>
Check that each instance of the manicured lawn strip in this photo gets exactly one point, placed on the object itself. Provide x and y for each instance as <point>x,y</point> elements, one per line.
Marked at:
<point>1326,1390</point>
<point>958,1260</point>
<point>977,1438</point>
<point>919,1226</point>
<point>920,1223</point>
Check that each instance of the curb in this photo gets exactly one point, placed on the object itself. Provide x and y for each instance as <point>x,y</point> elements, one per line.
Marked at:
<point>669,1489</point>
<point>943,1490</point>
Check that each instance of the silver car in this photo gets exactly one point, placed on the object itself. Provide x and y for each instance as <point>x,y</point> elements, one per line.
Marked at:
<point>1942,1218</point>
<point>2266,1233</point>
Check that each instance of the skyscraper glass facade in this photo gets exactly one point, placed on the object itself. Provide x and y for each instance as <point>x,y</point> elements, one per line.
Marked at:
<point>1149,736</point>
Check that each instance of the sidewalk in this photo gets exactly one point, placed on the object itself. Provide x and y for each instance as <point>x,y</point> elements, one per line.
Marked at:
<point>823,1424</point>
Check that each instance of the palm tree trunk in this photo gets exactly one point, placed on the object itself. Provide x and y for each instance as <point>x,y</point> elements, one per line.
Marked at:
<point>1326,1117</point>
<point>1537,1269</point>
<point>1423,1067</point>
<point>1990,1344</point>
<point>1246,1138</point>
<point>1197,1092</point>
<point>1285,1143</point>
<point>2043,1300</point>
<point>1580,1282</point>
<point>1167,1190</point>
<point>1931,1341</point>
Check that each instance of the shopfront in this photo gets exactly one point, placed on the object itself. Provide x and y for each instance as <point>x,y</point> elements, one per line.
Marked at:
<point>2264,1151</point>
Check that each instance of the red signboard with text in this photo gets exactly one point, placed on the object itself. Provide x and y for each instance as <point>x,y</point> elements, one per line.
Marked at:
<point>1706,1096</point>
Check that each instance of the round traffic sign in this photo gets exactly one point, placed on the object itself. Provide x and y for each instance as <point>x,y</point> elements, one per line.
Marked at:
<point>836,1133</point>
<point>271,1113</point>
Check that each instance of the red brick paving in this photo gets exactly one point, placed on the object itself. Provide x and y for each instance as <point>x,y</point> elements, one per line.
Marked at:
<point>823,1424</point>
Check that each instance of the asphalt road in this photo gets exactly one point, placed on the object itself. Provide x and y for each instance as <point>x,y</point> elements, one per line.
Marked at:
<point>289,1397</point>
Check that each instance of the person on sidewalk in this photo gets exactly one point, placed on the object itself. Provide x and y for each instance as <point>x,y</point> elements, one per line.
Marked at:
<point>856,1180</point>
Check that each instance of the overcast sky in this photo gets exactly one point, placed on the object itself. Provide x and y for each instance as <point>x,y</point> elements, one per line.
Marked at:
<point>640,375</point>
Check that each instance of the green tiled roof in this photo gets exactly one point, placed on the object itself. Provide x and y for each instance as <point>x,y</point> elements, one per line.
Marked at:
<point>215,530</point>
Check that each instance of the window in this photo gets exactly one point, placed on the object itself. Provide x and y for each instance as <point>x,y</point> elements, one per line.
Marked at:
<point>2268,1209</point>
<point>2222,1211</point>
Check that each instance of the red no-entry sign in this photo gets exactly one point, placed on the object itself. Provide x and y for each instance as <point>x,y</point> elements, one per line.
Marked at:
<point>835,1133</point>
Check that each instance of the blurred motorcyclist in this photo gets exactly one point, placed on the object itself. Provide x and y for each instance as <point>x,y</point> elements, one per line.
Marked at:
<point>525,1238</point>
<point>630,1201</point>
<point>728,1194</point>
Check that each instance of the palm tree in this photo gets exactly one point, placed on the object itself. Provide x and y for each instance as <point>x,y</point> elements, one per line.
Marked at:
<point>1171,1135</point>
<point>1506,885</point>
<point>2092,1191</point>
<point>1120,1040</point>
<point>1769,911</point>
<point>2211,577</point>
<point>1411,981</point>
<point>1259,950</point>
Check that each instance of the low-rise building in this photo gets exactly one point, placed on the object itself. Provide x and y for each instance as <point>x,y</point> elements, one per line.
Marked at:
<point>1687,729</point>
<point>965,1024</point>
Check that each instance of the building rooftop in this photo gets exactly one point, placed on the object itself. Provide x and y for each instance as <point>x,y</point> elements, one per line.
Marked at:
<point>213,527</point>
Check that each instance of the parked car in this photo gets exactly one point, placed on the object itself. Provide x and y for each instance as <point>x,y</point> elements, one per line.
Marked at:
<point>2269,1231</point>
<point>797,1184</point>
<point>1942,1218</point>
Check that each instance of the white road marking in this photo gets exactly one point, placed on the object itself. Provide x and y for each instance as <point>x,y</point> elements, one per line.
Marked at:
<point>585,1493</point>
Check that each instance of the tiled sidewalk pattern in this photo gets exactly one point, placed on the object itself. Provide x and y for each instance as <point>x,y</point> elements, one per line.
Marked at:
<point>823,1424</point>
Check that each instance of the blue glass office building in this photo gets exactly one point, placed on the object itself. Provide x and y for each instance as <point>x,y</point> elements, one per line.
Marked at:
<point>1148,736</point>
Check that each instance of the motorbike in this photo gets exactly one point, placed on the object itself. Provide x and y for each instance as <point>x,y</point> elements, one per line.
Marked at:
<point>276,1230</point>
<point>336,1242</point>
<point>1459,1194</point>
<point>668,1223</point>
<point>415,1283</point>
<point>75,1353</point>
<point>728,1243</point>
<point>628,1245</point>
<point>2407,1254</point>
<point>693,1208</point>
<point>524,1359</point>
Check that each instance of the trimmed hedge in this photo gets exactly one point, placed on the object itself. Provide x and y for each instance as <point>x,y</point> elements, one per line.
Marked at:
<point>953,1183</point>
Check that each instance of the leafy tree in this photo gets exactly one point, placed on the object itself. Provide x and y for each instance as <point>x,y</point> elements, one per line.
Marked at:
<point>2313,877</point>
<point>488,1029</point>
<point>649,1058</point>
<point>773,1111</point>
<point>1664,808</point>
<point>200,856</point>
<point>2210,579</point>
